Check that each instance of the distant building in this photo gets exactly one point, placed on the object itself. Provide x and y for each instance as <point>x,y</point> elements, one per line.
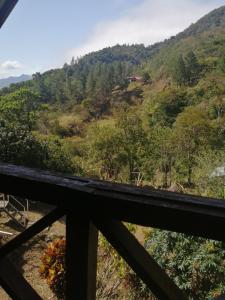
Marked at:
<point>135,78</point>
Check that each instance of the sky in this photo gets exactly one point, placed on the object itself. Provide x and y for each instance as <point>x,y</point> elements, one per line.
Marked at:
<point>44,34</point>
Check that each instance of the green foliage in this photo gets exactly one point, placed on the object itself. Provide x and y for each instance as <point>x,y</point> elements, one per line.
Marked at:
<point>20,107</point>
<point>53,268</point>
<point>208,183</point>
<point>18,113</point>
<point>56,157</point>
<point>91,77</point>
<point>192,130</point>
<point>166,130</point>
<point>192,68</point>
<point>104,149</point>
<point>196,265</point>
<point>133,141</point>
<point>169,103</point>
<point>185,70</point>
<point>221,64</point>
<point>164,152</point>
<point>19,146</point>
<point>179,71</point>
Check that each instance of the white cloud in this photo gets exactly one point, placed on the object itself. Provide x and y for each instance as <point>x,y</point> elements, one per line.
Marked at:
<point>10,65</point>
<point>11,68</point>
<point>149,22</point>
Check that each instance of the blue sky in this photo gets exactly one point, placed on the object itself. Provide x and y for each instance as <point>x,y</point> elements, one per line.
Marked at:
<point>43,34</point>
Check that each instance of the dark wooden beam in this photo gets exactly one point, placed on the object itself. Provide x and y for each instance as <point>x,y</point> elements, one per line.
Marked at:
<point>6,6</point>
<point>139,260</point>
<point>148,207</point>
<point>14,283</point>
<point>81,257</point>
<point>30,232</point>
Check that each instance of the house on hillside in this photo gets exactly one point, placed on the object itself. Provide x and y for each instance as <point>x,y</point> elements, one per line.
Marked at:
<point>143,79</point>
<point>135,78</point>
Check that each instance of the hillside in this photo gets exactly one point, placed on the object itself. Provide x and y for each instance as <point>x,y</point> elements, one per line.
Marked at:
<point>149,116</point>
<point>156,90</point>
<point>105,69</point>
<point>205,38</point>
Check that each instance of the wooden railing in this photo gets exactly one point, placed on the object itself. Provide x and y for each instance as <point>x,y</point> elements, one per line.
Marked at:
<point>6,6</point>
<point>91,206</point>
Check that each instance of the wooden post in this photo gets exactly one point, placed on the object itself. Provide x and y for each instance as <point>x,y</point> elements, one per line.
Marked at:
<point>81,257</point>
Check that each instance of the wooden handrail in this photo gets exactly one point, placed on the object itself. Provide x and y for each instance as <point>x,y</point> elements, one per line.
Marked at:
<point>91,205</point>
<point>178,212</point>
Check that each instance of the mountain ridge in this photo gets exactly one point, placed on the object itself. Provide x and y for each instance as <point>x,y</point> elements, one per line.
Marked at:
<point>5,82</point>
<point>94,75</point>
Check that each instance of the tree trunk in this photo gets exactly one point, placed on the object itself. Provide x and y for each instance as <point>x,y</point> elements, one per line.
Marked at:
<point>189,175</point>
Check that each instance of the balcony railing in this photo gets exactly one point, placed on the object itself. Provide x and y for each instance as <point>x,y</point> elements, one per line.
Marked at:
<point>92,206</point>
<point>6,6</point>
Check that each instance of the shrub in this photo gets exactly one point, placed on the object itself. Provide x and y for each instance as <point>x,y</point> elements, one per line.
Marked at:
<point>196,265</point>
<point>53,267</point>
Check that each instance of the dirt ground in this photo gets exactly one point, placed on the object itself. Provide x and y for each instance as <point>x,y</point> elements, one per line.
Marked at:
<point>27,258</point>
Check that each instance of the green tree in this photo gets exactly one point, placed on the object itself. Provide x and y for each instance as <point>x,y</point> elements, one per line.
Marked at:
<point>169,103</point>
<point>164,152</point>
<point>192,67</point>
<point>192,131</point>
<point>55,156</point>
<point>20,107</point>
<point>104,150</point>
<point>19,146</point>
<point>179,72</point>
<point>133,141</point>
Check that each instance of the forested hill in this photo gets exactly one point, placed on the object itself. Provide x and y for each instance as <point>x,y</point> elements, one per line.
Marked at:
<point>150,116</point>
<point>143,99</point>
<point>211,21</point>
<point>205,38</point>
<point>96,74</point>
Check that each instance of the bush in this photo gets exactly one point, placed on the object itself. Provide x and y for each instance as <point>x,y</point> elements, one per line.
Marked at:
<point>196,265</point>
<point>53,267</point>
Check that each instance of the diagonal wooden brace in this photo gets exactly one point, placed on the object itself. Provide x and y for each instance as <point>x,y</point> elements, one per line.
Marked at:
<point>139,260</point>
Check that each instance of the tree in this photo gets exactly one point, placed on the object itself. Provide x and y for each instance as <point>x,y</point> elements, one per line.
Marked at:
<point>72,61</point>
<point>164,152</point>
<point>179,72</point>
<point>192,131</point>
<point>169,103</point>
<point>55,157</point>
<point>192,68</point>
<point>20,107</point>
<point>105,151</point>
<point>133,141</point>
<point>19,146</point>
